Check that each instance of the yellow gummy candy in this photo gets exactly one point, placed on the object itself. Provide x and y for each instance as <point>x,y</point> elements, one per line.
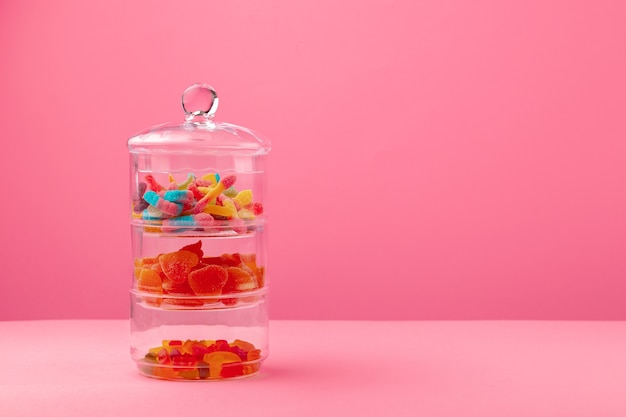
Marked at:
<point>244,198</point>
<point>231,206</point>
<point>210,177</point>
<point>245,214</point>
<point>218,210</point>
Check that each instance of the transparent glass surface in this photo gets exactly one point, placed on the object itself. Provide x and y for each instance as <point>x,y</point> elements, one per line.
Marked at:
<point>198,225</point>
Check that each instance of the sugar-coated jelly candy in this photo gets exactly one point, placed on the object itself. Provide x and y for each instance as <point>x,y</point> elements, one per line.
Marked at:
<point>195,248</point>
<point>177,265</point>
<point>208,280</point>
<point>150,281</point>
<point>239,280</point>
<point>244,198</point>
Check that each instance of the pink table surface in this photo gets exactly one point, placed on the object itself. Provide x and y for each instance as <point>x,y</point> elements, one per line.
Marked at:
<point>330,368</point>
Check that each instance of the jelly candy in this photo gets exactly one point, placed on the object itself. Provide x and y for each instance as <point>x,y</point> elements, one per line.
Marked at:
<point>218,359</point>
<point>189,221</point>
<point>230,192</point>
<point>257,208</point>
<point>195,248</point>
<point>177,265</point>
<point>150,281</point>
<point>220,211</point>
<point>167,207</point>
<point>153,184</point>
<point>246,214</point>
<point>244,198</point>
<point>243,345</point>
<point>178,196</point>
<point>212,178</point>
<point>212,194</point>
<point>201,359</point>
<point>239,280</point>
<point>139,204</point>
<point>208,280</point>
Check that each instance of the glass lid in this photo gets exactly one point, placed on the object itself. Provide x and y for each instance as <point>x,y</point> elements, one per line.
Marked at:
<point>199,133</point>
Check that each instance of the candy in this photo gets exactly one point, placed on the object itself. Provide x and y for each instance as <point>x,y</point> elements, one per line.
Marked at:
<point>208,280</point>
<point>201,359</point>
<point>212,178</point>
<point>239,280</point>
<point>220,211</point>
<point>197,194</point>
<point>189,221</point>
<point>178,196</point>
<point>230,192</point>
<point>218,359</point>
<point>183,277</point>
<point>167,207</point>
<point>150,281</point>
<point>185,184</point>
<point>224,183</point>
<point>246,214</point>
<point>177,265</point>
<point>153,184</point>
<point>195,248</point>
<point>244,198</point>
<point>257,209</point>
<point>153,213</point>
<point>139,204</point>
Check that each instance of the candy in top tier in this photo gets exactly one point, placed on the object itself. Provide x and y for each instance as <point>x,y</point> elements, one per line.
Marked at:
<point>195,204</point>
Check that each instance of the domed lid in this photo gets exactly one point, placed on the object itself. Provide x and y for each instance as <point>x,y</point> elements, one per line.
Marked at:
<point>199,133</point>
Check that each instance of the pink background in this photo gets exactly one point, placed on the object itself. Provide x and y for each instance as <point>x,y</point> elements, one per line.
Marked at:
<point>432,159</point>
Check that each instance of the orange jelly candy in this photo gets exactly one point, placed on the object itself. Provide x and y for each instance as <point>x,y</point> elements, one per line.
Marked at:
<point>177,265</point>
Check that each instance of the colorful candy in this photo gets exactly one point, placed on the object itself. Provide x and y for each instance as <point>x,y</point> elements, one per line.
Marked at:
<point>189,221</point>
<point>208,280</point>
<point>207,203</point>
<point>201,359</point>
<point>182,279</point>
<point>177,265</point>
<point>167,207</point>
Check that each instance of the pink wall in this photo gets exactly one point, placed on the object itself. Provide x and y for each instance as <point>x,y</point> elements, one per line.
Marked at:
<point>432,159</point>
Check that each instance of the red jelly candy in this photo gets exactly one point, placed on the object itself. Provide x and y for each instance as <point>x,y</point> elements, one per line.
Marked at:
<point>195,248</point>
<point>239,280</point>
<point>177,265</point>
<point>208,280</point>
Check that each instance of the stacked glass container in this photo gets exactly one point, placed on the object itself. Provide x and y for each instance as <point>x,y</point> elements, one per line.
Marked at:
<point>199,288</point>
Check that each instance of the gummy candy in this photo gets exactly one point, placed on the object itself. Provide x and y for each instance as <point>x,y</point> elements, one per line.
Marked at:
<point>220,211</point>
<point>210,195</point>
<point>153,184</point>
<point>239,280</point>
<point>208,280</point>
<point>139,204</point>
<point>177,265</point>
<point>244,198</point>
<point>182,278</point>
<point>195,248</point>
<point>201,359</point>
<point>257,208</point>
<point>167,207</point>
<point>218,359</point>
<point>150,281</point>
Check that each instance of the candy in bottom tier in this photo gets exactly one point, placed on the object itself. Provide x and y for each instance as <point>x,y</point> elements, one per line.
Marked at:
<point>201,360</point>
<point>199,344</point>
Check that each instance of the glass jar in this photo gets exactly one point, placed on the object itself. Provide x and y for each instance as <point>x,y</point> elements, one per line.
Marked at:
<point>199,307</point>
